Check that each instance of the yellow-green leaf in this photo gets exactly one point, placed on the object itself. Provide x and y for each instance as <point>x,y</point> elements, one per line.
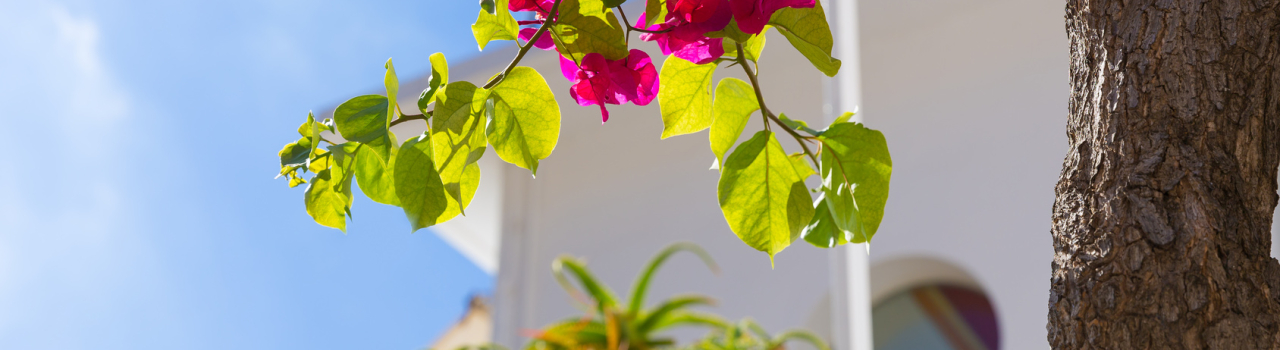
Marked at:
<point>457,133</point>
<point>499,25</point>
<point>439,78</point>
<point>523,119</point>
<point>393,88</point>
<point>857,159</point>
<point>655,11</point>
<point>685,96</point>
<point>762,197</point>
<point>734,104</point>
<point>587,27</point>
<point>808,31</point>
<point>420,189</point>
<point>363,119</point>
<point>375,177</point>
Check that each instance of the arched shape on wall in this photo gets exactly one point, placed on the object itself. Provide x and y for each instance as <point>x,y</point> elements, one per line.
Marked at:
<point>924,303</point>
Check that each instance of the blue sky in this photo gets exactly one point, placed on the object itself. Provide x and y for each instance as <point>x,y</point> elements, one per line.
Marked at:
<point>137,205</point>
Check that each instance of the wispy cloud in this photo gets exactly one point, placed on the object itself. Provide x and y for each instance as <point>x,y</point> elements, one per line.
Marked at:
<point>61,205</point>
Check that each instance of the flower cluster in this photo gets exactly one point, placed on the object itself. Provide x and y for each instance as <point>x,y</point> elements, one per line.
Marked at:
<point>683,34</point>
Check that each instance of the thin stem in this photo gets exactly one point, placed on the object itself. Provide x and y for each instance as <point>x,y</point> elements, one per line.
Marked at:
<point>407,117</point>
<point>634,28</point>
<point>768,115</point>
<point>527,45</point>
<point>742,61</point>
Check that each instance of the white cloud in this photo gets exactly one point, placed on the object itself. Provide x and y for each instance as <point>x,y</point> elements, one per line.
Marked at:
<point>93,100</point>
<point>61,204</point>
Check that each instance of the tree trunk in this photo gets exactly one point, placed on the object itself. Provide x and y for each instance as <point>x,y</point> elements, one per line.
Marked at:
<point>1161,226</point>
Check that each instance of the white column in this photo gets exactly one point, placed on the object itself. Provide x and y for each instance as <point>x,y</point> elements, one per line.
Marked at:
<point>850,266</point>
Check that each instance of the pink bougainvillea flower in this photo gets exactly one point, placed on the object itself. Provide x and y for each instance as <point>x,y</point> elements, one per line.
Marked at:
<point>598,81</point>
<point>544,42</point>
<point>541,6</point>
<point>694,11</point>
<point>752,15</point>
<point>685,31</point>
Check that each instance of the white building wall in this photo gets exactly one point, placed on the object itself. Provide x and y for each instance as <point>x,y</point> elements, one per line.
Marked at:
<point>971,95</point>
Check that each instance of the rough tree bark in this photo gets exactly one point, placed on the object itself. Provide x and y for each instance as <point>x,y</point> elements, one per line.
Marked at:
<point>1161,226</point>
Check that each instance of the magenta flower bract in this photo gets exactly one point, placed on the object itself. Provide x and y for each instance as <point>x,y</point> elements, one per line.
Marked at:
<point>685,31</point>
<point>752,15</point>
<point>598,81</point>
<point>541,6</point>
<point>544,42</point>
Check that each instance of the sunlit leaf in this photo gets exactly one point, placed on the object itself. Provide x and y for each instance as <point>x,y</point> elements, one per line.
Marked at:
<point>439,78</point>
<point>808,31</point>
<point>418,186</point>
<point>296,153</point>
<point>523,119</point>
<point>685,96</point>
<point>734,104</point>
<point>763,199</point>
<point>457,133</point>
<point>328,195</point>
<point>753,46</point>
<point>655,11</point>
<point>586,27</point>
<point>375,177</point>
<point>393,88</point>
<point>499,25</point>
<point>857,157</point>
<point>363,119</point>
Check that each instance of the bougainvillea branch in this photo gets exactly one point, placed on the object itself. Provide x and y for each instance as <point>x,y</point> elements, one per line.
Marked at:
<point>433,176</point>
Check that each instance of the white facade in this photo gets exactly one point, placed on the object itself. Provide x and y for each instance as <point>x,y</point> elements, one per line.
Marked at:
<point>971,95</point>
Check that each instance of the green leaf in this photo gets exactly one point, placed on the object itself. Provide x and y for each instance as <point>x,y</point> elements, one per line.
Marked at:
<point>375,177</point>
<point>685,96</point>
<point>821,230</point>
<point>797,124</point>
<point>295,154</point>
<point>613,3</point>
<point>418,185</point>
<point>499,25</point>
<point>763,198</point>
<point>364,119</point>
<point>753,46</point>
<point>588,27</point>
<point>487,6</point>
<point>439,78</point>
<point>312,129</point>
<point>457,133</point>
<point>734,104</point>
<point>326,205</point>
<point>683,318</point>
<point>843,118</point>
<point>523,119</point>
<point>393,88</point>
<point>655,11</point>
<point>641,286</point>
<point>598,292</point>
<point>807,30</point>
<point>843,209</point>
<point>674,304</point>
<point>328,195</point>
<point>802,166</point>
<point>857,157</point>
<point>801,335</point>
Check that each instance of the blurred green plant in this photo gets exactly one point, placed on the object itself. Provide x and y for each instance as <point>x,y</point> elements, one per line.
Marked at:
<point>612,324</point>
